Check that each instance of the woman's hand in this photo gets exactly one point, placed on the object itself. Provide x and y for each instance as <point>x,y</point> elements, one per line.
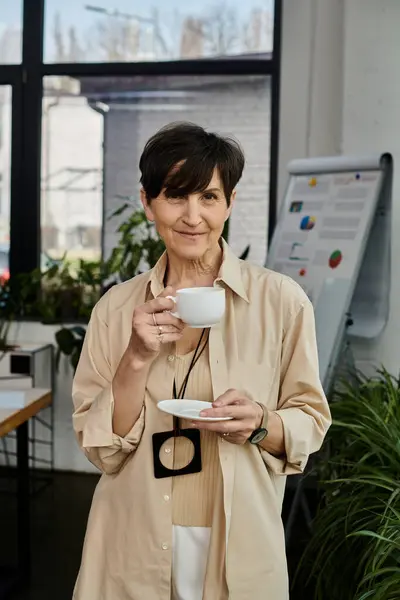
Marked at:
<point>247,416</point>
<point>152,326</point>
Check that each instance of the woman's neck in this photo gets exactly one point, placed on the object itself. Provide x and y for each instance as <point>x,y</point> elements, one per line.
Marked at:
<point>191,273</point>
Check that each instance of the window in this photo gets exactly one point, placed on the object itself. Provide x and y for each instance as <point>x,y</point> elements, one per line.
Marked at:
<point>83,117</point>
<point>128,31</point>
<point>10,32</point>
<point>71,198</point>
<point>109,69</point>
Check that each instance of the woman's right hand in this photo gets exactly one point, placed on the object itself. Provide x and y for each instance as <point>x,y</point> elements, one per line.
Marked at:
<point>153,325</point>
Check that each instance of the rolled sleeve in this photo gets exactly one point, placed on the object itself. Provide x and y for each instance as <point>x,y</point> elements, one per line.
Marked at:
<point>302,407</point>
<point>94,404</point>
<point>98,432</point>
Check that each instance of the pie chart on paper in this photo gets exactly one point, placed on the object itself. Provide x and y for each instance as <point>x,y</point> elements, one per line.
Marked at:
<point>307,223</point>
<point>335,259</point>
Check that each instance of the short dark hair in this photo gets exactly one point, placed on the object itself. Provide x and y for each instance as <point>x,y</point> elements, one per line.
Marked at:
<point>181,158</point>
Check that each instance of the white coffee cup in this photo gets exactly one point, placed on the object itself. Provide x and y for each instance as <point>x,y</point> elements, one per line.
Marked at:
<point>199,307</point>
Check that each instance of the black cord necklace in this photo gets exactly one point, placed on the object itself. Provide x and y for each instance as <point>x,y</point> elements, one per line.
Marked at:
<point>197,353</point>
<point>160,471</point>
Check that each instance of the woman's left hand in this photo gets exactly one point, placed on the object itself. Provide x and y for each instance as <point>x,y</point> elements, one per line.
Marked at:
<point>246,415</point>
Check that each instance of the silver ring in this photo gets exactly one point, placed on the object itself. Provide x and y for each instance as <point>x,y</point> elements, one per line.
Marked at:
<point>160,330</point>
<point>225,434</point>
<point>155,320</point>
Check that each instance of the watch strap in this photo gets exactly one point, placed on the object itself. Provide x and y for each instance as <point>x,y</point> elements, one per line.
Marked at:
<point>264,421</point>
<point>262,430</point>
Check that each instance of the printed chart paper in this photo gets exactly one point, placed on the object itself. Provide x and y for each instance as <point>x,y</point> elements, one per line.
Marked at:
<point>333,239</point>
<point>325,224</point>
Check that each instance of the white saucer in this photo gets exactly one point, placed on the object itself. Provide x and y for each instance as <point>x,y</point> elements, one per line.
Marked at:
<point>188,409</point>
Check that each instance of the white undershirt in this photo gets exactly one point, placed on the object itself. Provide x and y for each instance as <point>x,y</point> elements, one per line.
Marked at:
<point>189,561</point>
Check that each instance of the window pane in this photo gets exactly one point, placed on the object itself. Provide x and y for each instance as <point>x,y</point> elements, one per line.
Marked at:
<point>10,32</point>
<point>127,111</point>
<point>157,30</point>
<point>5,168</point>
<point>71,199</point>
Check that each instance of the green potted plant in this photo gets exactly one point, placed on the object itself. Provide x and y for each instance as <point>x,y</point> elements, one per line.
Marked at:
<point>62,291</point>
<point>354,551</point>
<point>69,290</point>
<point>139,244</point>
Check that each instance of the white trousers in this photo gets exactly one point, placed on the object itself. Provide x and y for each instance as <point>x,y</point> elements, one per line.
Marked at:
<point>189,561</point>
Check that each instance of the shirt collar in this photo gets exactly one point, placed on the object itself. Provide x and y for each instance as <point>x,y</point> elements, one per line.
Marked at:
<point>230,273</point>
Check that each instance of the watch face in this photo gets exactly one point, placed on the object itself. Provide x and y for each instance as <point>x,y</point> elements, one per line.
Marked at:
<point>258,436</point>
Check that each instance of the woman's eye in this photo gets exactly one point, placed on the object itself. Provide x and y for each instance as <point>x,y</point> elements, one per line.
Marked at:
<point>209,197</point>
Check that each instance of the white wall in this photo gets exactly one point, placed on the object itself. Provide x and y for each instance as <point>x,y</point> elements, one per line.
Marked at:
<point>371,122</point>
<point>311,81</point>
<point>341,94</point>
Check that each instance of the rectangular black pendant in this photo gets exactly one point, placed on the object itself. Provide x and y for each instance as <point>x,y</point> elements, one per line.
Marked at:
<point>193,435</point>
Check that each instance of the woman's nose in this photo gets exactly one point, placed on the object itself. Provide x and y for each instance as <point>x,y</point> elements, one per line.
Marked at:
<point>192,214</point>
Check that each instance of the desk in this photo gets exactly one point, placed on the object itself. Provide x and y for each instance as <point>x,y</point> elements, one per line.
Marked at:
<point>17,419</point>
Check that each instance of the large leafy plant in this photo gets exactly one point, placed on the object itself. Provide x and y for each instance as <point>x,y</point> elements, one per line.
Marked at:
<point>139,245</point>
<point>354,552</point>
<point>63,291</point>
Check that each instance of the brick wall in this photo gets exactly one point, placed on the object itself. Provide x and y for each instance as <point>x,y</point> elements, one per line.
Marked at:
<point>239,108</point>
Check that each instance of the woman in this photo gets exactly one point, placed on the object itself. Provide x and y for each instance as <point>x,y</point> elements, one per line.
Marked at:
<point>215,533</point>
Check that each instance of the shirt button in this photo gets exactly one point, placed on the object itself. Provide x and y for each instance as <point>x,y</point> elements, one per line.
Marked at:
<point>166,497</point>
<point>171,357</point>
<point>167,450</point>
<point>164,546</point>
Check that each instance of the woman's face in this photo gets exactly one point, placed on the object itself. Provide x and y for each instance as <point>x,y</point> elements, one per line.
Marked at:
<point>190,226</point>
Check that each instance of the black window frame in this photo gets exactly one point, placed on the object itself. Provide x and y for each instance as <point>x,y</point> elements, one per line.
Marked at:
<point>26,80</point>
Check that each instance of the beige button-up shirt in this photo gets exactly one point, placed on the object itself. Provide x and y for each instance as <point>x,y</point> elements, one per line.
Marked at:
<point>266,346</point>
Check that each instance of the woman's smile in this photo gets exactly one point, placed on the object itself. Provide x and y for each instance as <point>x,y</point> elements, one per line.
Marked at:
<point>190,235</point>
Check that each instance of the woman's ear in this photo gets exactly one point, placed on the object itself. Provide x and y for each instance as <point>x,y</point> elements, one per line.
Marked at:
<point>231,203</point>
<point>146,205</point>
